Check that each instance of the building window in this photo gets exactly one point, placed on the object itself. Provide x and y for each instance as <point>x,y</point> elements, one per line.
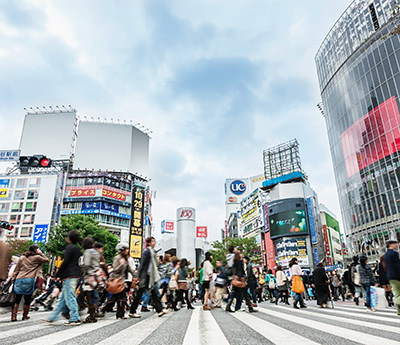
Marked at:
<point>4,206</point>
<point>26,231</point>
<point>34,182</point>
<point>31,206</point>
<point>21,182</point>
<point>16,207</point>
<point>15,218</point>
<point>28,219</point>
<point>33,194</point>
<point>19,195</point>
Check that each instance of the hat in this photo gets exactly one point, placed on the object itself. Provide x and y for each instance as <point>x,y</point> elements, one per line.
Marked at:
<point>121,247</point>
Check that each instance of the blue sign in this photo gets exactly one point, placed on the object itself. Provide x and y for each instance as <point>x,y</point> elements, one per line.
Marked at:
<point>237,187</point>
<point>4,183</point>
<point>9,155</point>
<point>334,267</point>
<point>109,207</point>
<point>316,256</point>
<point>40,233</point>
<point>90,205</point>
<point>97,205</point>
<point>163,226</point>
<point>311,220</point>
<point>96,211</point>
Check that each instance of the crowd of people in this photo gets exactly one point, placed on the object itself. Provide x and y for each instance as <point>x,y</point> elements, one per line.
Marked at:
<point>85,280</point>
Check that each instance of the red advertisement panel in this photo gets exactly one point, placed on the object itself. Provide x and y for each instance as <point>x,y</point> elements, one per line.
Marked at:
<point>201,231</point>
<point>326,240</point>
<point>113,195</point>
<point>373,137</point>
<point>269,248</point>
<point>81,193</point>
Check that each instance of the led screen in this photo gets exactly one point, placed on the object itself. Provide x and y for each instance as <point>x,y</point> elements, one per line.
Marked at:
<point>287,223</point>
<point>375,136</point>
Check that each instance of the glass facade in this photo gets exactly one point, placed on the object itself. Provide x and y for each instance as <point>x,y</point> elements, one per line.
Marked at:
<point>358,70</point>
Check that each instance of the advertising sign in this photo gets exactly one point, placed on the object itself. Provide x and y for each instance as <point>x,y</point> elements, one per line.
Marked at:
<point>40,233</point>
<point>113,195</point>
<point>311,221</point>
<point>270,251</point>
<point>4,186</point>
<point>185,213</point>
<point>326,240</point>
<point>167,226</point>
<point>316,256</point>
<point>82,193</point>
<point>266,219</point>
<point>201,231</point>
<point>137,222</point>
<point>288,248</point>
<point>287,223</point>
<point>9,155</point>
<point>236,190</point>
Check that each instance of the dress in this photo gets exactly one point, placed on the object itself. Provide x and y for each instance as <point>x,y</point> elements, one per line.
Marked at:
<point>321,285</point>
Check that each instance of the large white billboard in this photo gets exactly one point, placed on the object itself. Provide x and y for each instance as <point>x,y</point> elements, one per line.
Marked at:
<point>236,189</point>
<point>111,147</point>
<point>48,134</point>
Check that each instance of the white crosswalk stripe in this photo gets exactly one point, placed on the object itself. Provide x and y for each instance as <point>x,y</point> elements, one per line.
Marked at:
<point>275,324</point>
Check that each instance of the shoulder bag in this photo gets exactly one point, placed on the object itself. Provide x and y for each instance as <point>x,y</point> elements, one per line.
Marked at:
<point>7,295</point>
<point>297,284</point>
<point>115,285</point>
<point>238,282</point>
<point>173,285</point>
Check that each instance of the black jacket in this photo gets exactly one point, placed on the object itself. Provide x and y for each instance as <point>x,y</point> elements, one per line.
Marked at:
<point>70,267</point>
<point>144,266</point>
<point>392,263</point>
<point>250,274</point>
<point>238,269</point>
<point>320,277</point>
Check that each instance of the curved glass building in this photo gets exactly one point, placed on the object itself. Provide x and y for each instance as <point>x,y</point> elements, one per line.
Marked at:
<point>359,76</point>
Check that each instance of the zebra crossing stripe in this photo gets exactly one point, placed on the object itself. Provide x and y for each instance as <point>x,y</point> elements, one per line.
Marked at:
<point>192,336</point>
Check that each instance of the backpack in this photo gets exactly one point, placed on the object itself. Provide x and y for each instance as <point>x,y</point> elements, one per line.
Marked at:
<point>228,270</point>
<point>271,283</point>
<point>356,276</point>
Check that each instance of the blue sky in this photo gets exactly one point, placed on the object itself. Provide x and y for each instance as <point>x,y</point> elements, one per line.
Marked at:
<point>216,81</point>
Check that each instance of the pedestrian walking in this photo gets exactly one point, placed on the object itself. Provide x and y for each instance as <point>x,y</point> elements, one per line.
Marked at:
<point>270,281</point>
<point>69,273</point>
<point>28,268</point>
<point>165,271</point>
<point>181,278</point>
<point>355,278</point>
<point>348,283</point>
<point>251,279</point>
<point>239,284</point>
<point>384,282</point>
<point>295,274</point>
<point>392,265</point>
<point>148,278</point>
<point>282,284</point>
<point>90,266</point>
<point>220,283</point>
<point>321,285</point>
<point>337,286</point>
<point>207,276</point>
<point>367,279</point>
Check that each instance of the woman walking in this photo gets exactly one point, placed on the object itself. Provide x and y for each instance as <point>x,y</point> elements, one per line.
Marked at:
<point>270,280</point>
<point>120,268</point>
<point>321,284</point>
<point>367,279</point>
<point>181,278</point>
<point>28,268</point>
<point>337,286</point>
<point>384,282</point>
<point>90,265</point>
<point>165,271</point>
<point>295,271</point>
<point>207,274</point>
<point>239,284</point>
<point>282,284</point>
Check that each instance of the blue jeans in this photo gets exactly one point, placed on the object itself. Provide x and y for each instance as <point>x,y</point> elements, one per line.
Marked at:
<point>67,299</point>
<point>146,299</point>
<point>367,289</point>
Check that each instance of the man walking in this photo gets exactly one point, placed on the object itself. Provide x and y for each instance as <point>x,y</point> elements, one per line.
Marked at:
<point>392,263</point>
<point>69,273</point>
<point>148,275</point>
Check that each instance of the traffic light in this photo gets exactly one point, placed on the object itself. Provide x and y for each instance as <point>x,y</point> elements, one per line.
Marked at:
<point>6,225</point>
<point>36,161</point>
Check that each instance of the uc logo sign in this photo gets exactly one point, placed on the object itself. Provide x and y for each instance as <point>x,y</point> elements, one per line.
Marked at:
<point>238,187</point>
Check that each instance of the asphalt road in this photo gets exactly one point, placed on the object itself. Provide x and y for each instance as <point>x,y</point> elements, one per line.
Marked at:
<point>346,324</point>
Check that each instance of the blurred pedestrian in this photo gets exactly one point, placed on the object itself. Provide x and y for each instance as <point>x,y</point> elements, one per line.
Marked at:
<point>392,265</point>
<point>321,284</point>
<point>367,279</point>
<point>296,271</point>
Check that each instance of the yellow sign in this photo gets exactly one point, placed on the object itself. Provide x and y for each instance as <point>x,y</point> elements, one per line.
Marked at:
<point>135,249</point>
<point>3,193</point>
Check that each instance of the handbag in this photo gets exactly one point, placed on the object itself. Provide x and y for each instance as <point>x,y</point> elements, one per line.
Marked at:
<point>238,282</point>
<point>173,285</point>
<point>297,284</point>
<point>115,285</point>
<point>7,295</point>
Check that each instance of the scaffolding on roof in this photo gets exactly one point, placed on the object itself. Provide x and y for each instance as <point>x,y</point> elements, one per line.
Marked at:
<point>282,159</point>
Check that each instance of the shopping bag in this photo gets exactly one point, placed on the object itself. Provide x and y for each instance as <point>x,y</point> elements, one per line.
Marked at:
<point>297,284</point>
<point>7,295</point>
<point>378,299</point>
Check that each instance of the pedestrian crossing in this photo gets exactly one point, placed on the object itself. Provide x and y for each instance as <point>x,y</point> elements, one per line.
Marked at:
<point>346,324</point>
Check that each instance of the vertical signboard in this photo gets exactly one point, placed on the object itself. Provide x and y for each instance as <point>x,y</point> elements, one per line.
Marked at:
<point>269,248</point>
<point>137,222</point>
<point>40,233</point>
<point>327,247</point>
<point>316,256</point>
<point>266,220</point>
<point>311,220</point>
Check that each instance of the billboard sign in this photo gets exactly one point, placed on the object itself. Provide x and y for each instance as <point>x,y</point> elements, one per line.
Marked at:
<point>201,231</point>
<point>137,222</point>
<point>113,195</point>
<point>185,213</point>
<point>40,233</point>
<point>236,190</point>
<point>288,223</point>
<point>9,155</point>
<point>311,221</point>
<point>167,226</point>
<point>294,247</point>
<point>4,186</point>
<point>82,193</point>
